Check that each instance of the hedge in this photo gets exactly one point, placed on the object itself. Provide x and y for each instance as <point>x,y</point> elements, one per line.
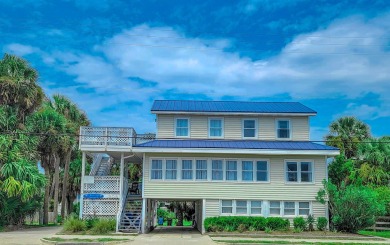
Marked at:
<point>232,223</point>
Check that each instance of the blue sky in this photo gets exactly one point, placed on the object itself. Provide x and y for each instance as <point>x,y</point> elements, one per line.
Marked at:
<point>115,57</point>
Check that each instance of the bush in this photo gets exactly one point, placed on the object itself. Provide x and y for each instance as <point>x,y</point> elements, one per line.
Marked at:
<point>310,222</point>
<point>162,213</point>
<point>241,228</point>
<point>76,208</point>
<point>104,226</point>
<point>297,230</point>
<point>322,222</point>
<point>74,224</point>
<point>91,222</point>
<point>232,223</point>
<point>353,207</point>
<point>277,224</point>
<point>384,196</point>
<point>299,223</point>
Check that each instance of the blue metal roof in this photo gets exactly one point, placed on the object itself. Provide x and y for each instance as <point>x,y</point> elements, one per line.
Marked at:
<point>237,144</point>
<point>230,106</point>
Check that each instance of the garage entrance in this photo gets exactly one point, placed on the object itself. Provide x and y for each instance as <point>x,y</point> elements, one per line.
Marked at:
<point>175,216</point>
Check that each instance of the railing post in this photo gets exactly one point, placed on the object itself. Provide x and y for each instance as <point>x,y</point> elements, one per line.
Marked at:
<point>106,137</point>
<point>82,185</point>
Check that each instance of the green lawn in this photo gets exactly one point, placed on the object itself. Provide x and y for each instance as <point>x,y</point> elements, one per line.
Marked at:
<point>104,239</point>
<point>286,242</point>
<point>174,221</point>
<point>385,234</point>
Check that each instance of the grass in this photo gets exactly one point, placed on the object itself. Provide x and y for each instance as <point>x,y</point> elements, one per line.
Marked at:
<point>104,239</point>
<point>286,242</point>
<point>384,234</point>
<point>174,221</point>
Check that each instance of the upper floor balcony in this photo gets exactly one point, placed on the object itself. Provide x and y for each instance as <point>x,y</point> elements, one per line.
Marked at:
<point>102,139</point>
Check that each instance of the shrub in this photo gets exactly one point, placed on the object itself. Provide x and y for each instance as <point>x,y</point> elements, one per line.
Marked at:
<point>268,230</point>
<point>353,207</point>
<point>241,228</point>
<point>384,196</point>
<point>162,213</point>
<point>310,222</point>
<point>322,222</point>
<point>104,226</point>
<point>299,223</point>
<point>91,222</point>
<point>297,230</point>
<point>76,208</point>
<point>232,223</point>
<point>277,224</point>
<point>74,224</point>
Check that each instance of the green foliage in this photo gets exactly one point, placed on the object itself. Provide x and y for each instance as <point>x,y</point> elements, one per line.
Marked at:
<point>299,223</point>
<point>235,223</point>
<point>341,170</point>
<point>384,195</point>
<point>322,222</point>
<point>74,224</point>
<point>162,213</point>
<point>76,209</point>
<point>297,230</point>
<point>310,222</point>
<point>268,230</point>
<point>91,222</point>
<point>353,207</point>
<point>103,226</point>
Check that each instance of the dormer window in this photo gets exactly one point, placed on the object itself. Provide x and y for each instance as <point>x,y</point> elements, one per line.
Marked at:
<point>283,129</point>
<point>182,127</point>
<point>249,128</point>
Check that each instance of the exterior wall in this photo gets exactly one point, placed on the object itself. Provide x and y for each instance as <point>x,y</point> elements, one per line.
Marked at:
<point>275,189</point>
<point>233,127</point>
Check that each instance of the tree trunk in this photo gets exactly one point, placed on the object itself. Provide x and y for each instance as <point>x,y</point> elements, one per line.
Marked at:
<point>65,184</point>
<point>45,163</point>
<point>56,183</point>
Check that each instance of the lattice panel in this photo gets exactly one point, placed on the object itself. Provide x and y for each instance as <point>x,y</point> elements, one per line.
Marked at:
<point>105,184</point>
<point>93,136</point>
<point>101,207</point>
<point>120,136</point>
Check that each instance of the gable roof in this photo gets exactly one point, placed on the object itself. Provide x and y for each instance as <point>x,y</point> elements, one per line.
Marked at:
<point>244,107</point>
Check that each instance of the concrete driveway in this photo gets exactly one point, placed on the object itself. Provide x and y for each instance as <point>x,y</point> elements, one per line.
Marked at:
<point>28,236</point>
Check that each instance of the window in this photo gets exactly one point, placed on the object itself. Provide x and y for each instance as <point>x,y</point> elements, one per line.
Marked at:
<point>231,170</point>
<point>299,172</point>
<point>182,127</point>
<point>171,169</point>
<point>262,171</point>
<point>289,208</point>
<point>256,207</point>
<point>283,129</point>
<point>215,127</point>
<point>241,207</point>
<point>249,128</point>
<point>201,169</point>
<point>217,170</point>
<point>156,169</point>
<point>274,208</point>
<point>227,206</point>
<point>304,208</point>
<point>186,172</point>
<point>247,170</point>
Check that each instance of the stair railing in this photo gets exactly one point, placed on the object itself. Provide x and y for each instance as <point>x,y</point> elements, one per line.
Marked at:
<point>97,160</point>
<point>124,199</point>
<point>109,165</point>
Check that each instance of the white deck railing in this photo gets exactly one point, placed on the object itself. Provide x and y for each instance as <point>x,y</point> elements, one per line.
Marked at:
<point>103,184</point>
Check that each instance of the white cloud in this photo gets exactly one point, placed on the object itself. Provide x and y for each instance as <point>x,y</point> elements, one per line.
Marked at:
<point>20,49</point>
<point>349,58</point>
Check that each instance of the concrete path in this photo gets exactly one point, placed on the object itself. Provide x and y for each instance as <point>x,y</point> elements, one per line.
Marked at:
<point>28,236</point>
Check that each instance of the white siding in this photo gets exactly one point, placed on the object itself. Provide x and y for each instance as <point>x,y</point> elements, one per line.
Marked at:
<point>233,127</point>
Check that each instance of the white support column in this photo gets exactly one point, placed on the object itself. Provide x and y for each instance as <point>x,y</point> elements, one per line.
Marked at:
<point>121,178</point>
<point>83,159</point>
<point>203,215</point>
<point>143,216</point>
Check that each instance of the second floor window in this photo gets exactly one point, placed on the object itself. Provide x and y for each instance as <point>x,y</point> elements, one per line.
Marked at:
<point>249,128</point>
<point>157,169</point>
<point>201,169</point>
<point>283,129</point>
<point>171,169</point>
<point>215,127</point>
<point>186,169</point>
<point>217,170</point>
<point>182,127</point>
<point>299,171</point>
<point>231,170</point>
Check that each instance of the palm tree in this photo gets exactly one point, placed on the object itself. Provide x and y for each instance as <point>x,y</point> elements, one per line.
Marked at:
<point>18,86</point>
<point>75,118</point>
<point>346,133</point>
<point>52,129</point>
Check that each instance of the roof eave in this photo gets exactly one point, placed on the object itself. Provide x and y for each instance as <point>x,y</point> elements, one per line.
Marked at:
<point>235,113</point>
<point>236,151</point>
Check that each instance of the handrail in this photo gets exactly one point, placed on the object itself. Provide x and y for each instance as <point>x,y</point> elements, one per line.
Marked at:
<point>97,160</point>
<point>107,136</point>
<point>124,198</point>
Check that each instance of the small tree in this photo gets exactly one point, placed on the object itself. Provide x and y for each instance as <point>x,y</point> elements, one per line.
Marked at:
<point>353,207</point>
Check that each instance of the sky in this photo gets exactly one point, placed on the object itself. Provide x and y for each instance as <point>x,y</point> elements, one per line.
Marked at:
<point>114,58</point>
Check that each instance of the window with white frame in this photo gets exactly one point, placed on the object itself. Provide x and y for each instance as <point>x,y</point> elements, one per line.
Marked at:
<point>227,207</point>
<point>216,127</point>
<point>247,171</point>
<point>262,171</point>
<point>241,207</point>
<point>186,169</point>
<point>299,171</point>
<point>201,169</point>
<point>283,129</point>
<point>304,208</point>
<point>274,208</point>
<point>171,169</point>
<point>217,170</point>
<point>249,128</point>
<point>231,170</point>
<point>157,169</point>
<point>256,208</point>
<point>289,208</point>
<point>182,127</point>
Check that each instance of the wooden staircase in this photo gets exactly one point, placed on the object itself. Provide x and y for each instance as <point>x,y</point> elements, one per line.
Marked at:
<point>131,214</point>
